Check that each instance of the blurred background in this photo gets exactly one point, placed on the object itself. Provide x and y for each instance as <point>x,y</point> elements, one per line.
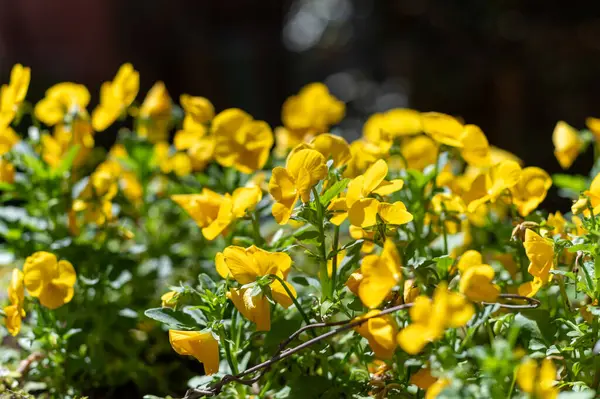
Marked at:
<point>512,67</point>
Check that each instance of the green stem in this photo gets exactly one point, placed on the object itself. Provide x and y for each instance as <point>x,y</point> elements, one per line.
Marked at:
<point>512,384</point>
<point>320,226</point>
<point>563,292</point>
<point>443,219</point>
<point>225,343</point>
<point>256,228</point>
<point>334,265</point>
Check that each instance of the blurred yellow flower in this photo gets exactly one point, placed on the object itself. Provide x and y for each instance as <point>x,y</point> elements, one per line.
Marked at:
<point>423,378</point>
<point>303,171</point>
<point>381,273</point>
<point>445,208</point>
<point>240,141</point>
<point>13,94</point>
<point>312,111</point>
<point>214,212</point>
<point>115,97</point>
<point>49,280</point>
<point>567,144</point>
<point>419,152</point>
<point>202,345</point>
<point>155,114</point>
<point>499,178</point>
<point>382,128</point>
<point>540,252</point>
<point>95,198</point>
<point>8,139</point>
<point>475,148</point>
<point>436,388</point>
<point>531,189</point>
<point>358,233</point>
<point>443,128</point>
<point>16,295</point>
<point>245,265</point>
<point>364,154</point>
<point>380,332</point>
<point>63,102</point>
<point>63,138</point>
<point>538,381</point>
<point>429,318</point>
<point>594,125</point>
<point>476,283</point>
<point>330,146</point>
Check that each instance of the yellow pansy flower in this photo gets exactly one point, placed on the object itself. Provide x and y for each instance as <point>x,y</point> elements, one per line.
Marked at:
<point>364,154</point>
<point>115,97</point>
<point>312,111</point>
<point>167,299</point>
<point>498,155</point>
<point>330,146</point>
<point>443,128</point>
<point>49,280</point>
<point>449,205</point>
<point>429,318</point>
<point>499,178</point>
<point>240,141</point>
<point>95,198</point>
<point>359,233</point>
<point>531,189</point>
<point>365,213</point>
<point>476,283</point>
<point>16,295</point>
<point>214,212</point>
<point>382,128</point>
<point>411,291</point>
<point>475,148</point>
<point>155,114</point>
<point>567,144</point>
<point>540,252</point>
<point>381,273</point>
<point>594,125</point>
<point>593,196</point>
<point>13,94</point>
<point>436,388</point>
<point>423,378</point>
<point>61,100</point>
<point>558,222</point>
<point>380,332</point>
<point>538,381</point>
<point>64,137</point>
<point>371,182</point>
<point>303,170</point>
<point>246,265</point>
<point>354,281</point>
<point>419,152</point>
<point>202,345</point>
<point>199,109</point>
<point>8,139</point>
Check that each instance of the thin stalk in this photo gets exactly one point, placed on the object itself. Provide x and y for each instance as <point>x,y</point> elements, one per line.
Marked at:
<point>256,229</point>
<point>292,297</point>
<point>322,247</point>
<point>512,385</point>
<point>230,359</point>
<point>334,265</point>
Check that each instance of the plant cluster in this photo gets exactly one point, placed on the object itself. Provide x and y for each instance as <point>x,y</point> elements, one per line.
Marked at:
<point>245,262</point>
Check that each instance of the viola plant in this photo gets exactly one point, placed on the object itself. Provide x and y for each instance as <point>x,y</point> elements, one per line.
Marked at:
<point>242,260</point>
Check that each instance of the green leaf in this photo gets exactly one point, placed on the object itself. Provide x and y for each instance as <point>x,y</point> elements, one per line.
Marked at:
<point>306,235</point>
<point>576,183</point>
<point>333,191</point>
<point>538,323</point>
<point>443,264</point>
<point>67,161</point>
<point>172,318</point>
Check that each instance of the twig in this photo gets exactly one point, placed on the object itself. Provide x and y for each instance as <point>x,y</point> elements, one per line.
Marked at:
<point>345,325</point>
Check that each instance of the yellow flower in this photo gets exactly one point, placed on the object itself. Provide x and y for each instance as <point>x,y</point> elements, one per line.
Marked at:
<point>115,97</point>
<point>7,172</point>
<point>155,114</point>
<point>355,202</point>
<point>450,206</point>
<point>594,125</point>
<point>214,212</point>
<point>498,155</point>
<point>62,100</point>
<point>353,282</point>
<point>476,284</point>
<point>364,154</point>
<point>475,148</point>
<point>95,198</point>
<point>419,152</point>
<point>380,275</point>
<point>558,222</point>
<point>202,345</point>
<point>540,252</point>
<point>382,128</point>
<point>246,266</point>
<point>13,94</point>
<point>198,109</point>
<point>8,139</point>
<point>64,137</point>
<point>567,144</point>
<point>436,388</point>
<point>429,318</point>
<point>411,291</point>
<point>468,259</point>
<point>593,194</point>
<point>303,170</point>
<point>167,299</point>
<point>49,280</point>
<point>312,111</point>
<point>380,332</point>
<point>192,138</point>
<point>240,141</point>
<point>499,178</point>
<point>443,128</point>
<point>538,381</point>
<point>16,295</point>
<point>531,189</point>
<point>330,146</point>
<point>358,233</point>
<point>365,213</point>
<point>423,378</point>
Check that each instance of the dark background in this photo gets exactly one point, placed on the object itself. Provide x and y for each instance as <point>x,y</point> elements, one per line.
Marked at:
<point>512,67</point>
